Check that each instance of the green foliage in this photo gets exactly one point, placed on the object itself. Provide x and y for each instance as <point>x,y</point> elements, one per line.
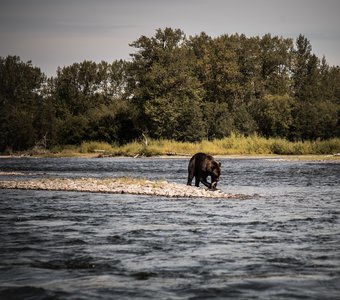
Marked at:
<point>196,89</point>
<point>243,120</point>
<point>84,86</point>
<point>276,60</point>
<point>218,120</point>
<point>21,121</point>
<point>217,70</point>
<point>113,123</point>
<point>168,93</point>
<point>72,130</point>
<point>16,130</point>
<point>274,115</point>
<point>316,120</point>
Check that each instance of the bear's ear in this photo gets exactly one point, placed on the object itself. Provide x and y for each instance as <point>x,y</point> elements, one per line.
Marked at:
<point>219,164</point>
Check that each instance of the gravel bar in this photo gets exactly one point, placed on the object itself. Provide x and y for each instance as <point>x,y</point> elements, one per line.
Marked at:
<point>132,186</point>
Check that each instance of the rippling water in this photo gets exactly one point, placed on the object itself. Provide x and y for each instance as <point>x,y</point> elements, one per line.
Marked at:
<point>283,244</point>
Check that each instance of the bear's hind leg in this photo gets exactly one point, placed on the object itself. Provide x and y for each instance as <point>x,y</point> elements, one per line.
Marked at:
<point>190,177</point>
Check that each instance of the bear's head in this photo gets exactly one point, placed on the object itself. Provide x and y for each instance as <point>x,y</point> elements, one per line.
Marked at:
<point>215,172</point>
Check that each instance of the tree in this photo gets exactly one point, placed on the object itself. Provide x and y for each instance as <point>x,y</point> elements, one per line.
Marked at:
<point>306,73</point>
<point>275,58</point>
<point>248,53</point>
<point>20,98</point>
<point>318,120</point>
<point>244,122</point>
<point>218,119</point>
<point>175,87</point>
<point>88,101</point>
<point>274,115</point>
<point>164,89</point>
<point>329,88</point>
<point>72,130</point>
<point>75,88</point>
<point>217,69</point>
<point>113,124</point>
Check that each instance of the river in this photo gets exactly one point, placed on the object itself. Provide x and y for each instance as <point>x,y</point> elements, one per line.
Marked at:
<point>281,243</point>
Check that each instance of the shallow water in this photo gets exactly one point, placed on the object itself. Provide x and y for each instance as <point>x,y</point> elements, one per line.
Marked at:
<point>282,244</point>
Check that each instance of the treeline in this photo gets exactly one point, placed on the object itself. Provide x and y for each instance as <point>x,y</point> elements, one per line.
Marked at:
<point>177,88</point>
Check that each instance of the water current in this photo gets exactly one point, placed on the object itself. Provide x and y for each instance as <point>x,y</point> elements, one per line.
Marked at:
<point>283,243</point>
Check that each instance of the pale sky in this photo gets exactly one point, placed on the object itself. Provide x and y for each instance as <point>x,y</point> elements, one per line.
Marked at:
<point>54,33</point>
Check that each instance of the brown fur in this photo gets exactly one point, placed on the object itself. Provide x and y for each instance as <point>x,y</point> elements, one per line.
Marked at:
<point>201,166</point>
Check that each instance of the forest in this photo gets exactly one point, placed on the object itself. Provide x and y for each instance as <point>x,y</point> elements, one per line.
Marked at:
<point>176,88</point>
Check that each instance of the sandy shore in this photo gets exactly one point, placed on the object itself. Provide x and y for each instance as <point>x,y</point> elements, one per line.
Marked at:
<point>118,186</point>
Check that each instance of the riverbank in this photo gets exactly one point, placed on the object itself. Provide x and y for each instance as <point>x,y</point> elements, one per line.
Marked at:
<point>234,145</point>
<point>124,185</point>
<point>319,158</point>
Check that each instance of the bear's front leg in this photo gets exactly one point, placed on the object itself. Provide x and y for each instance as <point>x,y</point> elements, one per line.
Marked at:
<point>205,182</point>
<point>197,182</point>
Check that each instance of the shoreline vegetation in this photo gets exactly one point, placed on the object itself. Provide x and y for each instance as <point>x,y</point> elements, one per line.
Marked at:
<point>221,93</point>
<point>234,145</point>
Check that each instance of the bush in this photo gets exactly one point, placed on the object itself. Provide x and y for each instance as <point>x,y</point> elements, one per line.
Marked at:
<point>331,146</point>
<point>91,147</point>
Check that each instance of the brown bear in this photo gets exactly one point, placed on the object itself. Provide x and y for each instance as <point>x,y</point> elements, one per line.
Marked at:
<point>201,166</point>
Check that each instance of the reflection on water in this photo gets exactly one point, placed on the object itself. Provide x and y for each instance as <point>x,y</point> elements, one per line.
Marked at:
<point>282,245</point>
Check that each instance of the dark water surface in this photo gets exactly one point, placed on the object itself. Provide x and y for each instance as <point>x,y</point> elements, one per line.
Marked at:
<point>283,244</point>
